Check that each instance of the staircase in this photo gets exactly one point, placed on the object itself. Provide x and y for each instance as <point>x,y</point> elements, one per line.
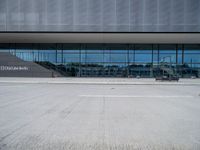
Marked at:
<point>60,70</point>
<point>164,69</point>
<point>167,71</point>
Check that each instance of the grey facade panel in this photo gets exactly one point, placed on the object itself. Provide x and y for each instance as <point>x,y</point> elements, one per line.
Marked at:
<point>100,15</point>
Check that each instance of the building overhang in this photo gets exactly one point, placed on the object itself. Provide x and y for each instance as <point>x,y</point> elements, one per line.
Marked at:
<point>56,37</point>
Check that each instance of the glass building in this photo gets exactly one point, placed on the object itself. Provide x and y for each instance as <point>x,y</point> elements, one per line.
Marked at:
<point>104,38</point>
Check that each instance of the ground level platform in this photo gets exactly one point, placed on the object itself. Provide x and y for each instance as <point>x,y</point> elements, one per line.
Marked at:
<point>99,114</point>
<point>111,81</point>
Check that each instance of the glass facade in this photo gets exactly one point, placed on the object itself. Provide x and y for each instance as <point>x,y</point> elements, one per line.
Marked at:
<point>111,60</point>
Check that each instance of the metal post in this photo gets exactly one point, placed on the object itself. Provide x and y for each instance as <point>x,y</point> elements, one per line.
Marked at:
<point>128,61</point>
<point>151,67</point>
<point>158,54</point>
<point>80,61</point>
<point>183,51</point>
<point>176,54</point>
<point>38,52</point>
<point>56,53</point>
<point>15,49</point>
<point>170,59</point>
<point>62,55</point>
<point>191,67</point>
<point>152,54</point>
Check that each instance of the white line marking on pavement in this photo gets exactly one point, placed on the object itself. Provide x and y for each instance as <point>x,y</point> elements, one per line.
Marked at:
<point>138,96</point>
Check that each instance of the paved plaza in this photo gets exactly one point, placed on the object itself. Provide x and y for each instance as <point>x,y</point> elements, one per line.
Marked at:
<point>99,114</point>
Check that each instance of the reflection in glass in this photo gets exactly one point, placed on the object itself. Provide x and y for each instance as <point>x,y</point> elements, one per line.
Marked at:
<point>111,60</point>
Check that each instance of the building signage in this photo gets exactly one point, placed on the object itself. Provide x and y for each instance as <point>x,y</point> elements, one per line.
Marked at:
<point>14,68</point>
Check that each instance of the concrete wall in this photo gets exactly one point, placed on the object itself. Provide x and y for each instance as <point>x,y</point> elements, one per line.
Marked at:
<point>11,66</point>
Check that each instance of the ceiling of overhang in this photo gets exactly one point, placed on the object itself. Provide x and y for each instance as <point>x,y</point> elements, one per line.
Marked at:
<point>99,38</point>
